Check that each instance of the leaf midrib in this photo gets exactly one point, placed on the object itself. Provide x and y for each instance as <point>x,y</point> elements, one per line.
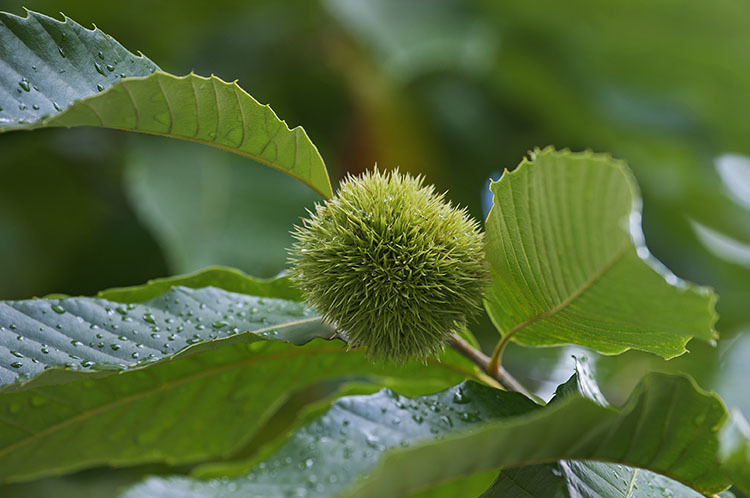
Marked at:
<point>161,387</point>
<point>85,102</point>
<point>619,253</point>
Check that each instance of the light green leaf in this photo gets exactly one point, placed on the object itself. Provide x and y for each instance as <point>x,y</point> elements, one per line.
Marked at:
<point>404,445</point>
<point>569,264</point>
<point>55,73</point>
<point>210,347</point>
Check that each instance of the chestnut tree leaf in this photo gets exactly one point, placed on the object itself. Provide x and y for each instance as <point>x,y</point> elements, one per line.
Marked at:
<point>58,73</point>
<point>569,264</point>
<point>387,445</point>
<point>95,381</point>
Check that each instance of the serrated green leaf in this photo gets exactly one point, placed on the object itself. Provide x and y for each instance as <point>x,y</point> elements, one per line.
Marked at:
<point>120,412</point>
<point>55,73</point>
<point>569,264</point>
<point>46,65</point>
<point>402,445</point>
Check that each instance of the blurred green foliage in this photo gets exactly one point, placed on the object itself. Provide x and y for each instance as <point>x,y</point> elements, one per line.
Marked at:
<point>456,90</point>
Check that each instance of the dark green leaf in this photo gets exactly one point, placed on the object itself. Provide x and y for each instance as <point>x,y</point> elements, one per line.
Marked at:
<point>46,65</point>
<point>403,445</point>
<point>583,479</point>
<point>327,456</point>
<point>249,353</point>
<point>569,264</point>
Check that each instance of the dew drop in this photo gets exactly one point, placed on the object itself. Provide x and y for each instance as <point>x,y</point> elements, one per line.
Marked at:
<point>24,83</point>
<point>62,52</point>
<point>16,364</point>
<point>35,107</point>
<point>100,55</point>
<point>110,67</point>
<point>469,417</point>
<point>99,87</point>
<point>459,397</point>
<point>219,324</point>
<point>16,354</point>
<point>58,309</point>
<point>149,318</point>
<point>114,347</point>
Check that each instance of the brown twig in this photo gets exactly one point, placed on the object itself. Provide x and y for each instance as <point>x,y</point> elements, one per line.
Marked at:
<point>483,361</point>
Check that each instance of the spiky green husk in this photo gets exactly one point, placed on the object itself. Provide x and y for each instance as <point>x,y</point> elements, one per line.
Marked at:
<point>392,264</point>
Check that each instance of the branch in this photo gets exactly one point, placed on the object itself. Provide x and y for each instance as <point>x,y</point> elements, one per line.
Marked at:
<point>483,361</point>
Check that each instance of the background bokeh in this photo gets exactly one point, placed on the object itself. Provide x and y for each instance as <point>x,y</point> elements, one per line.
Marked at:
<point>457,90</point>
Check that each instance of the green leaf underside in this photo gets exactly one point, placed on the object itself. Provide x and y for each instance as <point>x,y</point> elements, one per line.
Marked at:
<point>667,426</point>
<point>88,93</point>
<point>46,65</point>
<point>95,334</point>
<point>566,268</point>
